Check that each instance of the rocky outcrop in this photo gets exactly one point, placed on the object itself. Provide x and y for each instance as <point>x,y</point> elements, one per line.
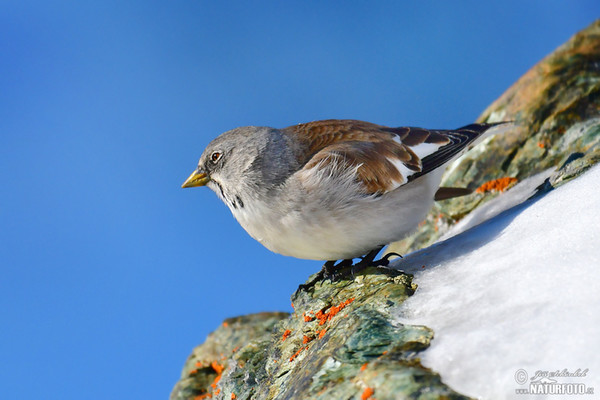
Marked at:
<point>556,110</point>
<point>343,340</point>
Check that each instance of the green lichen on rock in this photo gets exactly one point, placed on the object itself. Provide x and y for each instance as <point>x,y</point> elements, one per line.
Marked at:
<point>556,110</point>
<point>243,337</point>
<point>342,339</point>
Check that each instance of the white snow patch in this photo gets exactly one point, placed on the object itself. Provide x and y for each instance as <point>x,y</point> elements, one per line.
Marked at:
<point>519,291</point>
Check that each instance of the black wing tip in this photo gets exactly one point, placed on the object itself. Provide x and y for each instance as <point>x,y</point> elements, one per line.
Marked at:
<point>459,140</point>
<point>482,127</point>
<point>445,193</point>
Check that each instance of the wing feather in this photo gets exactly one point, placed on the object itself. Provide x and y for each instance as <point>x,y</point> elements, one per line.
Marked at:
<point>384,158</point>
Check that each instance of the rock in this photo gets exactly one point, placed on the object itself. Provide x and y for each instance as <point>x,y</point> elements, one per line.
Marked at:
<point>241,337</point>
<point>556,109</point>
<point>344,339</point>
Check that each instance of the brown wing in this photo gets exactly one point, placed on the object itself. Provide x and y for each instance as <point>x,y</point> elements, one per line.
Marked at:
<point>385,157</point>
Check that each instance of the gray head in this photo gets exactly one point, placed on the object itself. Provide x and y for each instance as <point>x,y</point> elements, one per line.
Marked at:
<point>245,162</point>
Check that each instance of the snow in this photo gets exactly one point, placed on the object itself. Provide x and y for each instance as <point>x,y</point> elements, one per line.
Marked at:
<point>519,291</point>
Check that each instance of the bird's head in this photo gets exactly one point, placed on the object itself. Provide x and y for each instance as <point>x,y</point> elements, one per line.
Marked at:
<point>242,162</point>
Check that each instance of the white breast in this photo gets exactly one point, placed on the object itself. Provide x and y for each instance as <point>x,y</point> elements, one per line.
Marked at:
<point>315,223</point>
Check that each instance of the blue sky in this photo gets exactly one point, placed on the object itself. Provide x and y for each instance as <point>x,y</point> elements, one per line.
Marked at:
<point>111,273</point>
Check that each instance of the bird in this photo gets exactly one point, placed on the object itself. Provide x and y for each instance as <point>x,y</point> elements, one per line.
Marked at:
<point>335,189</point>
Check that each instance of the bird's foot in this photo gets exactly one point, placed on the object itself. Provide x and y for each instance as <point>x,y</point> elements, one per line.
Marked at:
<point>346,269</point>
<point>329,271</point>
<point>336,272</point>
<point>385,260</point>
<point>368,261</point>
<point>309,285</point>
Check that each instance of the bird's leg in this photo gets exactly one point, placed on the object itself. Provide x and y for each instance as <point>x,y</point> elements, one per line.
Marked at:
<point>332,271</point>
<point>335,272</point>
<point>328,269</point>
<point>369,260</point>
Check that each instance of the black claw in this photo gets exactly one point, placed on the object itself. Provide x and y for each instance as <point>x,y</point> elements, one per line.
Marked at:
<point>346,268</point>
<point>306,286</point>
<point>385,260</point>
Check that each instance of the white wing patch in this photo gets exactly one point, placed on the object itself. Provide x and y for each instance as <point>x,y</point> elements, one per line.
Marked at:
<point>406,172</point>
<point>421,150</point>
<point>424,149</point>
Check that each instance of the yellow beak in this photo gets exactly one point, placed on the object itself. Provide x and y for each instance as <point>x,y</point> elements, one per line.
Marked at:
<point>197,178</point>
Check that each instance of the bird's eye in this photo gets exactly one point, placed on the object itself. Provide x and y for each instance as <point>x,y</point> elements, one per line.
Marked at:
<point>216,156</point>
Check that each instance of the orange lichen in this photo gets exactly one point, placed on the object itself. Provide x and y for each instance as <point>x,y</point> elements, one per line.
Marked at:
<point>233,396</point>
<point>192,372</point>
<point>496,185</point>
<point>367,393</point>
<point>364,366</point>
<point>293,305</point>
<point>307,318</point>
<point>286,334</point>
<point>292,358</point>
<point>541,145</point>
<point>199,364</point>
<point>217,392</point>
<point>306,339</point>
<point>322,333</point>
<point>324,317</point>
<point>225,324</point>
<point>203,396</point>
<point>218,368</point>
<point>235,349</point>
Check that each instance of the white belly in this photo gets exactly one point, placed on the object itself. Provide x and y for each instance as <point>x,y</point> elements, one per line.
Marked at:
<point>303,227</point>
